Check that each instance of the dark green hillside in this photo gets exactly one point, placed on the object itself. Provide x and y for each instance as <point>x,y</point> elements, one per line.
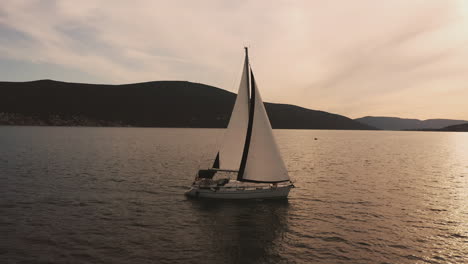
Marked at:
<point>151,104</point>
<point>458,128</point>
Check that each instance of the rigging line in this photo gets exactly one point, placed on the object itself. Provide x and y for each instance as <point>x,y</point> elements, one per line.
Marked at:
<point>199,161</point>
<point>203,155</point>
<point>237,77</point>
<point>216,147</point>
<point>202,158</point>
<point>236,80</point>
<point>219,138</point>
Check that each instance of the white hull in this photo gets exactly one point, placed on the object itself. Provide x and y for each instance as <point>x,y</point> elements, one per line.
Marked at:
<point>279,192</point>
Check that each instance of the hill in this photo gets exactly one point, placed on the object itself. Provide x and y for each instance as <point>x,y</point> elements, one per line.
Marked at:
<point>458,128</point>
<point>395,123</point>
<point>150,104</point>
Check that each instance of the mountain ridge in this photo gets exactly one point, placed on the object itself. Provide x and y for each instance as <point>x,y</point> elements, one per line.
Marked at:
<point>145,104</point>
<point>397,123</point>
<point>456,128</point>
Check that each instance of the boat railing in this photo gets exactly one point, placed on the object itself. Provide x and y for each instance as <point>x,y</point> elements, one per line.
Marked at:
<point>248,187</point>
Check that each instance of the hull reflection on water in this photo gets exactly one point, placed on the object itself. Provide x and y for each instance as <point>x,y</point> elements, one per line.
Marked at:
<point>243,231</point>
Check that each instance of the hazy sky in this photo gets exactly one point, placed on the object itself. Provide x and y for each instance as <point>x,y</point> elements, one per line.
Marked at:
<point>405,58</point>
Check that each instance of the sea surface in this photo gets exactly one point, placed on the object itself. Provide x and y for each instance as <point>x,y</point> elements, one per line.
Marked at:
<point>115,195</point>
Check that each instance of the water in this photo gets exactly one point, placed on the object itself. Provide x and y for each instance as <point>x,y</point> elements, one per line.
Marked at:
<point>115,195</point>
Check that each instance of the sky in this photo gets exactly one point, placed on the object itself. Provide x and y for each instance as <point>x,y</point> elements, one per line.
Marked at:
<point>404,58</point>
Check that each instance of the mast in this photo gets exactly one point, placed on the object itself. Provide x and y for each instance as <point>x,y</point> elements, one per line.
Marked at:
<point>247,65</point>
<point>261,160</point>
<point>251,91</point>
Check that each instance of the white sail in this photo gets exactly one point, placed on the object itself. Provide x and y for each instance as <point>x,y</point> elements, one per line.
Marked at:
<point>264,162</point>
<point>230,153</point>
<point>249,148</point>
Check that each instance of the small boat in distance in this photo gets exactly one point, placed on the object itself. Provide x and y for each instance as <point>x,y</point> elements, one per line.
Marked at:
<point>248,164</point>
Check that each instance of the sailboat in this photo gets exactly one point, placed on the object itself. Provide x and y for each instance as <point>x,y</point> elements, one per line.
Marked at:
<point>248,164</point>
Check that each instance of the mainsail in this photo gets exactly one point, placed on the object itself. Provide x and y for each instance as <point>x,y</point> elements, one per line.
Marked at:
<point>263,162</point>
<point>249,144</point>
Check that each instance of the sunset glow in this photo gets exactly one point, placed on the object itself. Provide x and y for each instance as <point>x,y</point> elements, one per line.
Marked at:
<point>355,58</point>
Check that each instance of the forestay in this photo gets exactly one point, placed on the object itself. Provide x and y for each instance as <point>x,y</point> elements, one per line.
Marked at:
<point>230,153</point>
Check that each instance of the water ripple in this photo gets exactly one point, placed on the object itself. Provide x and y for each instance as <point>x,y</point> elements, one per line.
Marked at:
<point>114,195</point>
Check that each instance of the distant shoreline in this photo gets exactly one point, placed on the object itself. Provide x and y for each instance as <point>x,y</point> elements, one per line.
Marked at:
<point>26,125</point>
<point>16,119</point>
<point>150,104</point>
<point>117,126</point>
<point>169,104</point>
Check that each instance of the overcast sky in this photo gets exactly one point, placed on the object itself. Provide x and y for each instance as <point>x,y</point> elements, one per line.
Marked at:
<point>405,58</point>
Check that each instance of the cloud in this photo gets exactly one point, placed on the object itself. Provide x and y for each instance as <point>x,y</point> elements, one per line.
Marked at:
<point>362,57</point>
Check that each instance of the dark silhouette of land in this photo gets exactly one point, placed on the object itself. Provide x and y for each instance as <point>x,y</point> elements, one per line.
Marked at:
<point>150,104</point>
<point>457,128</point>
<point>395,123</point>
